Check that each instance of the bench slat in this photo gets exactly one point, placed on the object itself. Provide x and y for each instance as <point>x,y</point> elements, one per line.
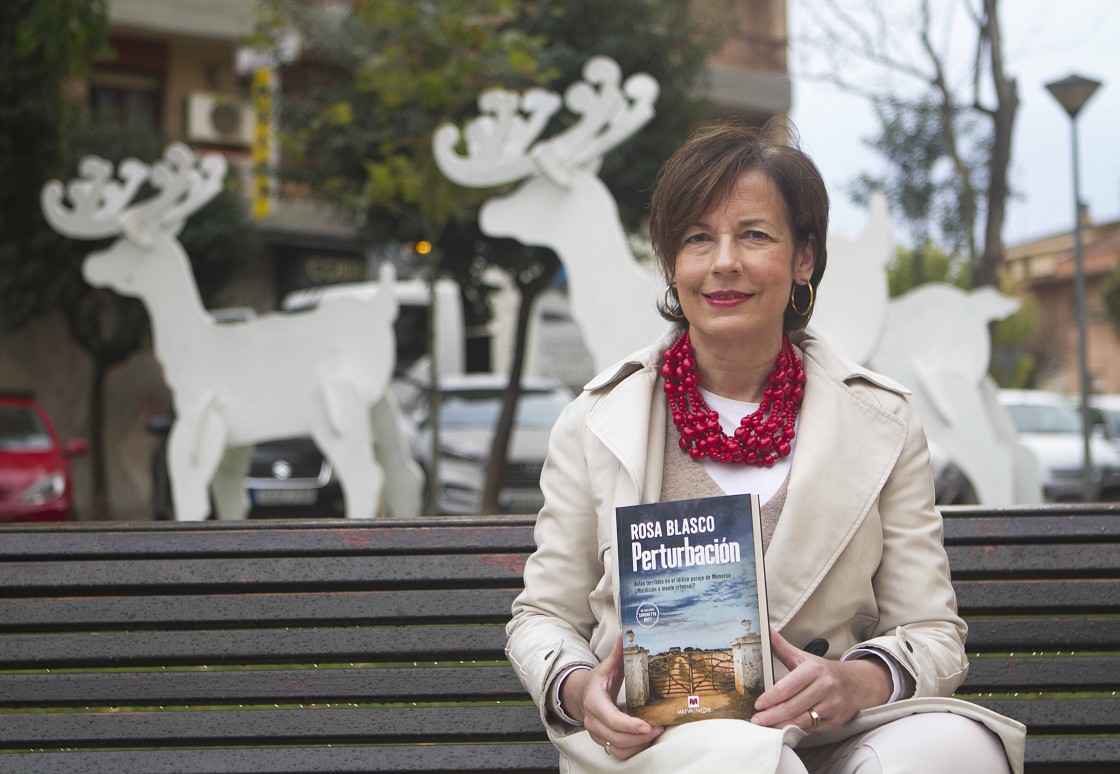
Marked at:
<point>269,646</point>
<point>278,726</point>
<point>1038,596</point>
<point>1066,752</point>
<point>1072,559</point>
<point>1056,673</point>
<point>339,538</point>
<point>1044,634</point>
<point>282,686</point>
<point>1052,716</point>
<point>1050,530</point>
<point>253,575</point>
<point>286,609</point>
<point>529,758</point>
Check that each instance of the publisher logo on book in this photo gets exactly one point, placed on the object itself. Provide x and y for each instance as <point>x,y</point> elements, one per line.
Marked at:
<point>693,702</point>
<point>647,614</point>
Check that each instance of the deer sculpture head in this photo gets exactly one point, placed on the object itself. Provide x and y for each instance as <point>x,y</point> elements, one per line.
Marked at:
<point>500,147</point>
<point>561,203</point>
<point>100,209</point>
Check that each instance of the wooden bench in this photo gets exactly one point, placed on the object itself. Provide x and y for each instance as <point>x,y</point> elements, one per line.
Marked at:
<point>343,646</point>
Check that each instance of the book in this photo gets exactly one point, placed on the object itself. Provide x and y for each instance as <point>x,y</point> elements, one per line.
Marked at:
<point>692,604</point>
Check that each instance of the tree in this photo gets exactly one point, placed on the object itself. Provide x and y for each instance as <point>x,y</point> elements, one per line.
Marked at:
<point>666,39</point>
<point>41,45</point>
<point>949,146</point>
<point>360,110</point>
<point>43,133</point>
<point>912,267</point>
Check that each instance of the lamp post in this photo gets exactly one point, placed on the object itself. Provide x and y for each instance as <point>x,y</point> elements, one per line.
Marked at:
<point>1072,93</point>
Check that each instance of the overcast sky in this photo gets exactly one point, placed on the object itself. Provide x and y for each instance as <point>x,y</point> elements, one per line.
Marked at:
<point>1046,40</point>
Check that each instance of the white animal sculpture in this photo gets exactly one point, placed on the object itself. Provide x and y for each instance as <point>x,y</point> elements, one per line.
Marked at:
<point>936,341</point>
<point>324,373</point>
<point>562,204</point>
<point>851,311</point>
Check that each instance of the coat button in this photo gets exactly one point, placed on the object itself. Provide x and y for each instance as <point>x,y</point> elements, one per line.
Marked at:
<point>910,647</point>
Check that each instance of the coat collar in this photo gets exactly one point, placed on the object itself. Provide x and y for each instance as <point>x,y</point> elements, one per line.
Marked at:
<point>629,418</point>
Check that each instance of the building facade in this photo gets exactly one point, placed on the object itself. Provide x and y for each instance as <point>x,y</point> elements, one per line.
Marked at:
<point>1043,270</point>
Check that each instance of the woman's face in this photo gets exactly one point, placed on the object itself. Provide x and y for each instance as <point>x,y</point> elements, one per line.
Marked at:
<point>736,266</point>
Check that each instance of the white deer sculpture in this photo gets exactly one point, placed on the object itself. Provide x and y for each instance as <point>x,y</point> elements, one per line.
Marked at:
<point>323,373</point>
<point>563,205</point>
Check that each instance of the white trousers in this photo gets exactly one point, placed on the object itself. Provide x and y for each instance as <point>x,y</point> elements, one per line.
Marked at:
<point>927,743</point>
<point>930,743</point>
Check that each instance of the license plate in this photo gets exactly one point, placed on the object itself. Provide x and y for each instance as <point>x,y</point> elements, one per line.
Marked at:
<point>284,496</point>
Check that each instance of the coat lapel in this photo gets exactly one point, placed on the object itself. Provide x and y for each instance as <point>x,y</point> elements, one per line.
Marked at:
<point>630,423</point>
<point>846,448</point>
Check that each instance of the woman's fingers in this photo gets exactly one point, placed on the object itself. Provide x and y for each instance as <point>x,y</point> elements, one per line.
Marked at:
<point>604,721</point>
<point>790,656</point>
<point>833,691</point>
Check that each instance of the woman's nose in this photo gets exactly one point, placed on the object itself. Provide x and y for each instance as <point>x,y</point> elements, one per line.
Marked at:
<point>726,258</point>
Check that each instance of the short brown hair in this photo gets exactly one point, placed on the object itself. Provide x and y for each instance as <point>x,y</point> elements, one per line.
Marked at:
<point>705,170</point>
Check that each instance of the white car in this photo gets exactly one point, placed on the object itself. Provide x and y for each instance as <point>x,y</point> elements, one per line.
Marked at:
<point>470,405</point>
<point>1105,413</point>
<point>1050,426</point>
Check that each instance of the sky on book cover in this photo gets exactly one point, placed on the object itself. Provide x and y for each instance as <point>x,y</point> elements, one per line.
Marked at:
<point>702,606</point>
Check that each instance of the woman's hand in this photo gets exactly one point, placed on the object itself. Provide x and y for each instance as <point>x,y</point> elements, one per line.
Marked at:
<point>588,695</point>
<point>834,690</point>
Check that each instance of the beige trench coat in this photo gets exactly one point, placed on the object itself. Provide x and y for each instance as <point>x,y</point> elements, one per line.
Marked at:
<point>856,558</point>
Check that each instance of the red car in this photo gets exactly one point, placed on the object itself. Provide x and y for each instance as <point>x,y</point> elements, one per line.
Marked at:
<point>35,482</point>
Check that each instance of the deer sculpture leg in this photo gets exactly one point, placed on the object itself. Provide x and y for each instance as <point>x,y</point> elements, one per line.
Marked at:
<point>404,485</point>
<point>228,485</point>
<point>195,448</point>
<point>351,451</point>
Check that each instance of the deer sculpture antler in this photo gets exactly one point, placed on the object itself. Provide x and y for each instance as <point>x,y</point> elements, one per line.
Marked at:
<point>497,142</point>
<point>99,202</point>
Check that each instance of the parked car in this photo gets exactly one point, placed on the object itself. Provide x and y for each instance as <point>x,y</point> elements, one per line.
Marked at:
<point>1104,411</point>
<point>1050,426</point>
<point>35,478</point>
<point>470,405</point>
<point>288,479</point>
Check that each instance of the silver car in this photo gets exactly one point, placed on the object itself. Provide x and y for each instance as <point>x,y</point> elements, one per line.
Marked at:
<point>470,405</point>
<point>1050,426</point>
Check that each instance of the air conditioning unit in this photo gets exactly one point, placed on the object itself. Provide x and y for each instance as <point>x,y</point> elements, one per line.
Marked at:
<point>219,119</point>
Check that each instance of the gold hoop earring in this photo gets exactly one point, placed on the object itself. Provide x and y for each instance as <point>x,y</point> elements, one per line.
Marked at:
<point>678,313</point>
<point>793,301</point>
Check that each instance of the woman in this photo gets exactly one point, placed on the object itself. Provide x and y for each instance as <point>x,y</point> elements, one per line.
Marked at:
<point>854,559</point>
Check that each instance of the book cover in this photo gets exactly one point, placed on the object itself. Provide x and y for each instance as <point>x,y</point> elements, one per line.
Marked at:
<point>692,603</point>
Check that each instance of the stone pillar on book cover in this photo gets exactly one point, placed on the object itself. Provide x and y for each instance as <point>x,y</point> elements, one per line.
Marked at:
<point>746,655</point>
<point>636,672</point>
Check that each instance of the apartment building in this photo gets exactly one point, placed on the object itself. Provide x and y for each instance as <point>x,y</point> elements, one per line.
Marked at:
<point>1043,269</point>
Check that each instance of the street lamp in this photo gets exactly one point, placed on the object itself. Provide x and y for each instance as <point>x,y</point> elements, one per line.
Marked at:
<point>1072,93</point>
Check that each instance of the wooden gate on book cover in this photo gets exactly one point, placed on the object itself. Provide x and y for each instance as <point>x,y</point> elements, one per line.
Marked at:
<point>689,672</point>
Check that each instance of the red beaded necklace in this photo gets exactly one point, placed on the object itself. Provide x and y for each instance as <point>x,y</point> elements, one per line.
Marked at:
<point>762,436</point>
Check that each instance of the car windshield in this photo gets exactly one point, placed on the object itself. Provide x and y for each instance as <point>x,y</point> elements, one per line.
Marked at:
<point>21,429</point>
<point>478,408</point>
<point>1044,419</point>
